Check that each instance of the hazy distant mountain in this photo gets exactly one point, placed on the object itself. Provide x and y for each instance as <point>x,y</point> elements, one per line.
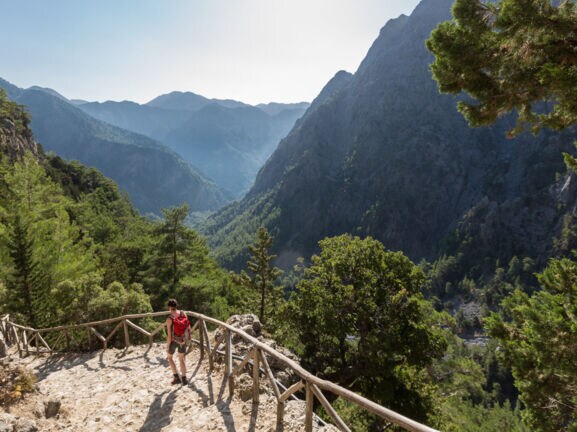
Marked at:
<point>226,140</point>
<point>49,91</point>
<point>153,176</point>
<point>147,120</point>
<point>189,101</point>
<point>382,153</point>
<point>230,145</point>
<point>274,108</point>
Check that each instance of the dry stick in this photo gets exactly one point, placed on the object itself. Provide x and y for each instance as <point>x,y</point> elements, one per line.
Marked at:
<point>207,341</point>
<point>106,321</point>
<point>291,390</point>
<point>280,405</point>
<point>269,374</point>
<point>255,375</point>
<point>58,339</point>
<point>25,341</point>
<point>44,342</point>
<point>330,410</point>
<point>126,338</point>
<point>243,363</point>
<point>99,336</point>
<point>201,339</point>
<point>137,328</point>
<point>228,348</point>
<point>15,330</point>
<point>217,343</point>
<point>157,329</point>
<point>37,342</point>
<point>309,408</point>
<point>112,333</point>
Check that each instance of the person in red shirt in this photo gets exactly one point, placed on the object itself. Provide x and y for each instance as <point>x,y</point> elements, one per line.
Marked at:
<point>173,344</point>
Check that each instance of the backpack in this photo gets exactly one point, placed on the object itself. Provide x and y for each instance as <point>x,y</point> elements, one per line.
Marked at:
<point>180,328</point>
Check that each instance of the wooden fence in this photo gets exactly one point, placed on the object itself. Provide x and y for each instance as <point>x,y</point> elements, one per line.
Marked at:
<point>32,341</point>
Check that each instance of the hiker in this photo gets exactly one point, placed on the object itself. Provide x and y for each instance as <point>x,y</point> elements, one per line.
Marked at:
<point>177,338</point>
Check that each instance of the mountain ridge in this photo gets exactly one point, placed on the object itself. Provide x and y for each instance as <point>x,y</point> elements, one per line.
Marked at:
<point>386,155</point>
<point>226,140</point>
<point>152,174</point>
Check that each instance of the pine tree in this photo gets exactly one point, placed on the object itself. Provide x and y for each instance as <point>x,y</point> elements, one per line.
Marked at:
<point>24,278</point>
<point>509,55</point>
<point>178,251</point>
<point>60,250</point>
<point>262,275</point>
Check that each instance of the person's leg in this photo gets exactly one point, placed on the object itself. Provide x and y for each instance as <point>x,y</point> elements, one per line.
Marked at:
<point>182,362</point>
<point>169,357</point>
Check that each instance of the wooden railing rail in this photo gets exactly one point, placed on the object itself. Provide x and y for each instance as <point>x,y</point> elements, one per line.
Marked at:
<point>29,339</point>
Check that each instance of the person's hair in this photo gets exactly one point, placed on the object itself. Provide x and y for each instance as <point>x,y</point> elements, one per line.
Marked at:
<point>172,303</point>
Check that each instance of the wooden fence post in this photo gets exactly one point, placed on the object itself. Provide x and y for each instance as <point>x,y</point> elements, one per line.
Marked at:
<point>309,408</point>
<point>201,338</point>
<point>228,349</point>
<point>255,375</point>
<point>126,337</point>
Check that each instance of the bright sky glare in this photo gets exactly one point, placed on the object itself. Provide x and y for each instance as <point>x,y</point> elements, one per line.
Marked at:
<point>249,50</point>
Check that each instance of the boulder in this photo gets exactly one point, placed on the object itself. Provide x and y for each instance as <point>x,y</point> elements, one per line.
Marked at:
<point>52,408</point>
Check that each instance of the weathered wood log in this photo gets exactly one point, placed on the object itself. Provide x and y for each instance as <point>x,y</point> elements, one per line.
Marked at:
<point>228,361</point>
<point>309,407</point>
<point>126,337</point>
<point>25,342</point>
<point>17,339</point>
<point>44,342</point>
<point>269,374</point>
<point>114,330</point>
<point>207,342</point>
<point>138,328</point>
<point>255,376</point>
<point>157,329</point>
<point>291,390</point>
<point>106,321</point>
<point>217,343</point>
<point>99,337</point>
<point>329,408</point>
<point>243,363</point>
<point>201,339</point>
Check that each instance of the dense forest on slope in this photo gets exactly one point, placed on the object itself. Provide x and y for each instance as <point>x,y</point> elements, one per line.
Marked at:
<point>382,153</point>
<point>151,174</point>
<point>74,248</point>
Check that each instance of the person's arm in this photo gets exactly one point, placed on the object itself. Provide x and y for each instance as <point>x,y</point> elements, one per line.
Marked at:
<point>168,333</point>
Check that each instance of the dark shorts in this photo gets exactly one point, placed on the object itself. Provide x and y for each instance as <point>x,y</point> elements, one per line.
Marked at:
<point>174,346</point>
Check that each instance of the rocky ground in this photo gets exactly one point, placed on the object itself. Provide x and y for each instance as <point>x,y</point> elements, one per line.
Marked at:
<point>130,390</point>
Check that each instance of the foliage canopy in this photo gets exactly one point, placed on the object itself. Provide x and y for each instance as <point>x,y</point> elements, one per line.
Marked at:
<point>510,55</point>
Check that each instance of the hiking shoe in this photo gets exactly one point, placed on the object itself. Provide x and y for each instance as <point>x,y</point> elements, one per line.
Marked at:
<point>184,380</point>
<point>175,380</point>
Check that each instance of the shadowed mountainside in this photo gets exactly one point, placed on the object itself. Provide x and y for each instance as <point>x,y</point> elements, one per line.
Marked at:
<point>382,153</point>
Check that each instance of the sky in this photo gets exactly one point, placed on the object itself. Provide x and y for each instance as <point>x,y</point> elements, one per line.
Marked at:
<point>255,51</point>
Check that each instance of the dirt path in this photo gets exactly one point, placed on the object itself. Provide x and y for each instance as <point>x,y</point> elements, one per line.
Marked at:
<point>119,390</point>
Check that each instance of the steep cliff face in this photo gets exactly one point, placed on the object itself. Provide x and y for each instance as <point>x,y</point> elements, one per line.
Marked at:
<point>15,135</point>
<point>382,153</point>
<point>14,144</point>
